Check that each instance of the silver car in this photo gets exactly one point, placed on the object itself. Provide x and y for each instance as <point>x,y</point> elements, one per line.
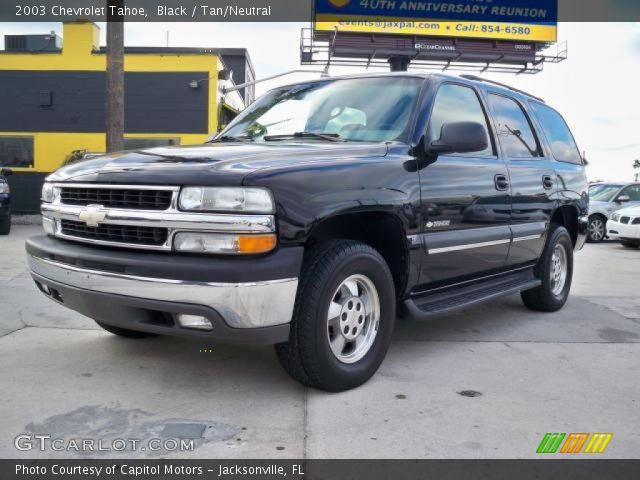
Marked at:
<point>605,200</point>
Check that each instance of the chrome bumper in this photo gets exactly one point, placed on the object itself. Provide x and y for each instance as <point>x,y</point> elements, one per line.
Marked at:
<point>241,305</point>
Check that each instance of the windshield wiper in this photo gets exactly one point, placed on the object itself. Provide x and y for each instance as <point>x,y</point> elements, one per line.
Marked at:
<point>331,137</point>
<point>229,138</point>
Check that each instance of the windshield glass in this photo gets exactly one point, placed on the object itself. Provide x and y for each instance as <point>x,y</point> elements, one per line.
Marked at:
<point>605,193</point>
<point>363,109</point>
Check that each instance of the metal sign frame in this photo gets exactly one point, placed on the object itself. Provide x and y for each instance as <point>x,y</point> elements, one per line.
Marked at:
<point>374,50</point>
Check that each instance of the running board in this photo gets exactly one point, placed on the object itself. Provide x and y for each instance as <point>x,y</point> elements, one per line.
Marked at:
<point>458,297</point>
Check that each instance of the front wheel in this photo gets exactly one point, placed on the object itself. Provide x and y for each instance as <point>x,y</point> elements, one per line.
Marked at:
<point>344,317</point>
<point>555,270</point>
<point>597,228</point>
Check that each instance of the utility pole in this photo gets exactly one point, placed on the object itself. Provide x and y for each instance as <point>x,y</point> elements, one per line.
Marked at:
<point>115,78</point>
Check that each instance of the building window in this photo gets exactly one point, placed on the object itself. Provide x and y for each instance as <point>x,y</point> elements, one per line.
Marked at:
<point>16,152</point>
<point>140,143</point>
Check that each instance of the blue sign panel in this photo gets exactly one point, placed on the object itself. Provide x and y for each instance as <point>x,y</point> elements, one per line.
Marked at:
<point>533,20</point>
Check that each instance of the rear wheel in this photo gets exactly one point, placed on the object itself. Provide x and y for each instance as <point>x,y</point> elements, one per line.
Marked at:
<point>555,270</point>
<point>630,243</point>
<point>125,332</point>
<point>344,317</point>
<point>5,225</point>
<point>597,228</point>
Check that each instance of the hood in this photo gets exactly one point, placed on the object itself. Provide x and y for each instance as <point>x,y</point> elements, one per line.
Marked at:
<point>208,164</point>
<point>629,211</point>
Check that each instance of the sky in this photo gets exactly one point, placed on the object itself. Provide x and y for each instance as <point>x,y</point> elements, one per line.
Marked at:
<point>597,89</point>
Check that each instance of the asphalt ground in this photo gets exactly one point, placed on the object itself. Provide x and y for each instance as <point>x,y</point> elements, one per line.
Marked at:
<point>488,382</point>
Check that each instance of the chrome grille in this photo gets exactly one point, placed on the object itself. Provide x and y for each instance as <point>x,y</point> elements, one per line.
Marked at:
<point>94,213</point>
<point>624,220</point>
<point>138,199</point>
<point>127,234</point>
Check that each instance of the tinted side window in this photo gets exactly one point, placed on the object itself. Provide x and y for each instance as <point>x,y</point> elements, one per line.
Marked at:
<point>633,191</point>
<point>563,146</point>
<point>514,129</point>
<point>455,103</point>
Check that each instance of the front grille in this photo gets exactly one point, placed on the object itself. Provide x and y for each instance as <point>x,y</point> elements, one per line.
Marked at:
<point>155,236</point>
<point>117,197</point>
<point>636,221</point>
<point>624,220</point>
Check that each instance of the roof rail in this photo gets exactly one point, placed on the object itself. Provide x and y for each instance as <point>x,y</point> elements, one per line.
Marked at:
<point>480,79</point>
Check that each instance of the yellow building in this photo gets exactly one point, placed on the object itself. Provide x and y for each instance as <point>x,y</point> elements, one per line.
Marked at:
<point>52,100</point>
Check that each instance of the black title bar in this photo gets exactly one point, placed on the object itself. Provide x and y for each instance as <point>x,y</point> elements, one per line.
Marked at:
<point>252,10</point>
<point>163,469</point>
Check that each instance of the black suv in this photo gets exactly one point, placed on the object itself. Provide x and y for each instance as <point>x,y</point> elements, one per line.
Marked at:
<point>320,212</point>
<point>5,202</point>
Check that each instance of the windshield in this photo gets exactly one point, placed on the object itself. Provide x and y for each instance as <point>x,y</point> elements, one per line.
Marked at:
<point>363,109</point>
<point>605,193</point>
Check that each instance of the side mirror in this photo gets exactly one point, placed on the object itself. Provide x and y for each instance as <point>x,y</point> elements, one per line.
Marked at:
<point>6,172</point>
<point>459,137</point>
<point>623,198</point>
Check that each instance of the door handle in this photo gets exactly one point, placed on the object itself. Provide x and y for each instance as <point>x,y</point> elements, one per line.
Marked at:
<point>547,182</point>
<point>502,182</point>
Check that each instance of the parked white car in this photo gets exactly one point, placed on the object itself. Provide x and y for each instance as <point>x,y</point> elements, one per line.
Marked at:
<point>624,225</point>
<point>606,198</point>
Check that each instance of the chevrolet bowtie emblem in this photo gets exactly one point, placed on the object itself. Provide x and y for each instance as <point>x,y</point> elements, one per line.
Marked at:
<point>93,215</point>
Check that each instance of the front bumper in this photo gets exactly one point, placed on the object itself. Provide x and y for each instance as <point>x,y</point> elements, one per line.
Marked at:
<point>247,300</point>
<point>617,230</point>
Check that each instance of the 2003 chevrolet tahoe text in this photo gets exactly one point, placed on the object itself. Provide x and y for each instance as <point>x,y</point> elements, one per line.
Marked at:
<point>318,214</point>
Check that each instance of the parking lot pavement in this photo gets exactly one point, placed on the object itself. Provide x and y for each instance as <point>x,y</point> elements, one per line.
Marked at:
<point>523,374</point>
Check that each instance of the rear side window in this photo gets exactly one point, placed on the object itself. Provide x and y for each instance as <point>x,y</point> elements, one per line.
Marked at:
<point>455,103</point>
<point>563,146</point>
<point>514,129</point>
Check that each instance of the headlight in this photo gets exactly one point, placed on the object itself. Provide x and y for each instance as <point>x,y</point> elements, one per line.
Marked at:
<point>49,193</point>
<point>4,188</point>
<point>227,199</point>
<point>223,243</point>
<point>615,217</point>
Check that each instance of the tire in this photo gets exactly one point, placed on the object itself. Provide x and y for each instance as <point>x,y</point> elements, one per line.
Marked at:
<point>628,244</point>
<point>5,225</point>
<point>597,228</point>
<point>124,332</point>
<point>552,295</point>
<point>331,274</point>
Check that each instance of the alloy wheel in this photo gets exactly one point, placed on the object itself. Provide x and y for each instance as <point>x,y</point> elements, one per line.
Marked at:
<point>559,269</point>
<point>353,318</point>
<point>596,229</point>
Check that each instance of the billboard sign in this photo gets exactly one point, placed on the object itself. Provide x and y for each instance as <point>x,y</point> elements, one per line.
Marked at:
<point>519,20</point>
